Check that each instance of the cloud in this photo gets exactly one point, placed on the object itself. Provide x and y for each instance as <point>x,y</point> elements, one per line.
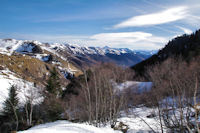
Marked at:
<point>122,37</point>
<point>133,40</point>
<point>166,16</point>
<point>185,30</point>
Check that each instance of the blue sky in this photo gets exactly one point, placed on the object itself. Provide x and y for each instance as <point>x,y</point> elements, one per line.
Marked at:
<point>135,24</point>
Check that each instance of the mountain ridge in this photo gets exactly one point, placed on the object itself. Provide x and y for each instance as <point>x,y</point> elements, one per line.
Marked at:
<point>81,54</point>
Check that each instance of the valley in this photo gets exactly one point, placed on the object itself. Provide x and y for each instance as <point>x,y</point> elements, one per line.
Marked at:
<point>99,66</point>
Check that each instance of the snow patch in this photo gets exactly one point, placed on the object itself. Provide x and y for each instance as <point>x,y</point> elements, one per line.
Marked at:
<point>135,86</point>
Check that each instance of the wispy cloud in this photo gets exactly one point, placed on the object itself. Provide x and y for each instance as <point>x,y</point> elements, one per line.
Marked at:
<point>135,40</point>
<point>122,37</point>
<point>166,16</point>
<point>185,30</point>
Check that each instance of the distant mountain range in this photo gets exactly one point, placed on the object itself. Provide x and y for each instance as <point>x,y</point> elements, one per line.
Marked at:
<point>80,56</point>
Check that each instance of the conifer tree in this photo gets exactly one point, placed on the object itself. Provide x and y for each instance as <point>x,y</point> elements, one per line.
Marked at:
<point>52,103</point>
<point>11,106</point>
<point>53,83</point>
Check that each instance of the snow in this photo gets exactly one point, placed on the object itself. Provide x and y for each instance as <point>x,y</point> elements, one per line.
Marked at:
<point>135,86</point>
<point>12,45</point>
<point>134,120</point>
<point>66,126</point>
<point>84,50</point>
<point>147,52</point>
<point>137,120</point>
<point>19,46</point>
<point>24,88</point>
<point>8,46</point>
<point>51,49</point>
<point>144,86</point>
<point>42,57</point>
<point>25,48</point>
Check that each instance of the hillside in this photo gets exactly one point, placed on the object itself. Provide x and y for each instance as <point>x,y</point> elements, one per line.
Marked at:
<point>27,65</point>
<point>185,46</point>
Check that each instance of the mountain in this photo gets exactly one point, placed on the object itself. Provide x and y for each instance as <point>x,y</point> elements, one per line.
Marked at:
<point>80,56</point>
<point>87,56</point>
<point>185,46</point>
<point>33,60</point>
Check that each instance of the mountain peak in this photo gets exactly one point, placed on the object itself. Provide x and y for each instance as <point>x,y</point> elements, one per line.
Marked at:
<point>106,47</point>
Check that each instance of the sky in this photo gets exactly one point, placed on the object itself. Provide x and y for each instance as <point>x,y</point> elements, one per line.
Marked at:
<point>134,24</point>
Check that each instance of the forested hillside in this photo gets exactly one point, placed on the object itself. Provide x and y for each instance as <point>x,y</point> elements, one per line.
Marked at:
<point>185,46</point>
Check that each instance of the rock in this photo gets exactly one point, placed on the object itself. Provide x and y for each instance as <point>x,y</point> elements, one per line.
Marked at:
<point>121,126</point>
<point>29,47</point>
<point>47,58</point>
<point>151,115</point>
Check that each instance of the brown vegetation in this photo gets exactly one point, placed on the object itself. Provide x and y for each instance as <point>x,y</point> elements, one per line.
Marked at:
<point>98,100</point>
<point>175,93</point>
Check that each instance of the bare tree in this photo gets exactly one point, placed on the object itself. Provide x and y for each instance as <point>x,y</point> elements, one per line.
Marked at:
<point>175,94</point>
<point>98,98</point>
<point>31,95</point>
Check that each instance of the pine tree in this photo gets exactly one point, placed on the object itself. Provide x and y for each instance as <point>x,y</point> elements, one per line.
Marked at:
<point>52,103</point>
<point>53,83</point>
<point>11,106</point>
<point>11,103</point>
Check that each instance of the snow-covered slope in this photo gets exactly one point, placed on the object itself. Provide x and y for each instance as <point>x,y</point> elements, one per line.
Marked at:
<point>41,51</point>
<point>66,127</point>
<point>24,88</point>
<point>136,120</point>
<point>12,45</point>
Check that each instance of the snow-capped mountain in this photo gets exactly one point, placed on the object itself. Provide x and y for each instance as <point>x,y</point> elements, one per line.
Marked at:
<point>32,60</point>
<point>79,55</point>
<point>146,52</point>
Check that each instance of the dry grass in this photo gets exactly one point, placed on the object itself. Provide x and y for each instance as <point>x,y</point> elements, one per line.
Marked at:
<point>26,67</point>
